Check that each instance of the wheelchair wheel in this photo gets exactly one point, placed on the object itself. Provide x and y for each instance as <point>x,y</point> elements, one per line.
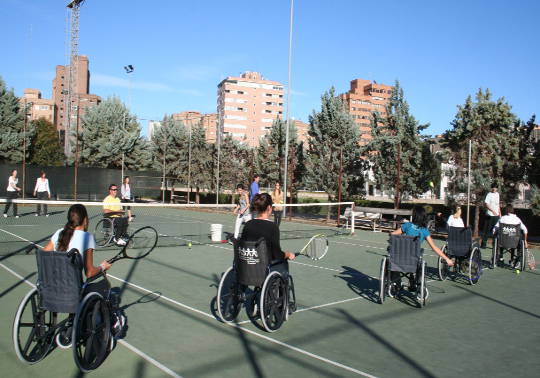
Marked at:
<point>384,280</point>
<point>273,302</point>
<point>33,329</point>
<point>443,266</point>
<point>474,270</point>
<point>104,232</point>
<point>494,254</point>
<point>91,332</point>
<point>228,296</point>
<point>522,256</point>
<point>422,293</point>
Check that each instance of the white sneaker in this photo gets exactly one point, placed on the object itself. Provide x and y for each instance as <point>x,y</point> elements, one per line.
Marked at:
<point>119,241</point>
<point>36,214</point>
<point>16,216</point>
<point>47,215</point>
<point>119,324</point>
<point>5,215</point>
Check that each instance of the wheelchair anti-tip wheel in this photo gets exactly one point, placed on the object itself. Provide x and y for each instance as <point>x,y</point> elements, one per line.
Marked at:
<point>273,301</point>
<point>33,329</point>
<point>228,296</point>
<point>384,280</point>
<point>91,335</point>
<point>104,232</point>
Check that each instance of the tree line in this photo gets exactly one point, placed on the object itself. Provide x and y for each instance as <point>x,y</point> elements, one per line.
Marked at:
<point>399,154</point>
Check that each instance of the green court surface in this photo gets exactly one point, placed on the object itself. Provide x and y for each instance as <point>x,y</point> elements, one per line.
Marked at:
<point>491,329</point>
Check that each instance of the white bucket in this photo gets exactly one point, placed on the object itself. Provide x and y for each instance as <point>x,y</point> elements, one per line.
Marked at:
<point>216,231</point>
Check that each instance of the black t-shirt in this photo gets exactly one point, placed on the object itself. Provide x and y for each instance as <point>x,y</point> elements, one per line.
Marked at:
<point>257,228</point>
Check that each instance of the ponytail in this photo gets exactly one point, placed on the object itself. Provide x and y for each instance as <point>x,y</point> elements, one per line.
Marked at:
<point>76,216</point>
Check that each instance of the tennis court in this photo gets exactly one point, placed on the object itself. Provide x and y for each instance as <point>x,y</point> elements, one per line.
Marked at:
<point>340,329</point>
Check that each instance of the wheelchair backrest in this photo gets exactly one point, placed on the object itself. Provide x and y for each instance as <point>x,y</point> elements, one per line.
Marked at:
<point>59,280</point>
<point>251,259</point>
<point>459,241</point>
<point>509,235</point>
<point>405,253</point>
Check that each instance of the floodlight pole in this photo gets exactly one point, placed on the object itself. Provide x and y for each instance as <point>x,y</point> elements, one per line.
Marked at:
<point>76,165</point>
<point>24,147</point>
<point>189,162</point>
<point>129,69</point>
<point>288,112</point>
<point>218,137</point>
<point>469,182</point>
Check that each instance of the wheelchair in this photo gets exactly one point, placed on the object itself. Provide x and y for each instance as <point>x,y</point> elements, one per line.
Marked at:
<point>509,239</point>
<point>265,288</point>
<point>60,311</point>
<point>104,231</point>
<point>465,253</point>
<point>405,257</point>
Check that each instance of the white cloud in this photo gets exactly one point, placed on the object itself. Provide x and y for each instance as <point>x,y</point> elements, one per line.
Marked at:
<point>102,80</point>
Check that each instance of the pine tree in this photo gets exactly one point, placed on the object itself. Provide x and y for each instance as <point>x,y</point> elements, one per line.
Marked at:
<point>491,126</point>
<point>107,131</point>
<point>333,138</point>
<point>234,165</point>
<point>201,162</point>
<point>397,152</point>
<point>12,117</point>
<point>45,149</point>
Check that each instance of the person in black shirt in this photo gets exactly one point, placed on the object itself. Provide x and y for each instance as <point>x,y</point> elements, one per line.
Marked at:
<point>262,226</point>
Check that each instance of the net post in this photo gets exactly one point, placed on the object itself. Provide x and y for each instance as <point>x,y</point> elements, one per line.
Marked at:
<point>352,219</point>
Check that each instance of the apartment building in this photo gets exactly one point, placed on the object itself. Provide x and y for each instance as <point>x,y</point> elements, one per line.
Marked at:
<point>247,106</point>
<point>37,107</point>
<point>81,99</point>
<point>302,129</point>
<point>364,98</point>
<point>193,118</point>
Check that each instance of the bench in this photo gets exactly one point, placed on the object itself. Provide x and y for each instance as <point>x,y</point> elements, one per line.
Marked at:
<point>178,198</point>
<point>372,217</point>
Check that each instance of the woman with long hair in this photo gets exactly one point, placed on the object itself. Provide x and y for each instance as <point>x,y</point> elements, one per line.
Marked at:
<point>455,220</point>
<point>126,196</point>
<point>43,192</point>
<point>74,235</point>
<point>12,193</point>
<point>277,198</point>
<point>241,210</point>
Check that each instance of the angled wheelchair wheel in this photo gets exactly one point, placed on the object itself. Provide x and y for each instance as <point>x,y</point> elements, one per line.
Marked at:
<point>443,265</point>
<point>104,232</point>
<point>474,269</point>
<point>228,296</point>
<point>522,255</point>
<point>33,329</point>
<point>384,280</point>
<point>91,332</point>
<point>422,292</point>
<point>273,303</point>
<point>494,253</point>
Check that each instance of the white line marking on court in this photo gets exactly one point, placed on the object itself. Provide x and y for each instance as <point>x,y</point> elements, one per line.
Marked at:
<point>329,304</point>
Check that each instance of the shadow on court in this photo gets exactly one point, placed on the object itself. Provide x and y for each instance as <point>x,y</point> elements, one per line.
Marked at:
<point>365,286</point>
<point>27,249</point>
<point>17,284</point>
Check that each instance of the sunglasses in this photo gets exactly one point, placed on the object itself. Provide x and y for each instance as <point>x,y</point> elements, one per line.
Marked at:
<point>114,190</point>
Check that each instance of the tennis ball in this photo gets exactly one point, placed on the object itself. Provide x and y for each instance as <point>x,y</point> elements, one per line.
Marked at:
<point>189,244</point>
<point>518,271</point>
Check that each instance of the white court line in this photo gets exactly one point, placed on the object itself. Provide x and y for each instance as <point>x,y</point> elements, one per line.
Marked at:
<point>288,346</point>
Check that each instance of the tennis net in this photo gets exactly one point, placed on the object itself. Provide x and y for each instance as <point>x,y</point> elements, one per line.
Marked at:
<point>176,224</point>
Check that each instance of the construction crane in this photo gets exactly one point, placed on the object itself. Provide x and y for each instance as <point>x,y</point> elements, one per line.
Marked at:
<point>70,95</point>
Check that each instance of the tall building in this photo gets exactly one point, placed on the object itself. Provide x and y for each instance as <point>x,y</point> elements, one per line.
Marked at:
<point>302,129</point>
<point>193,118</point>
<point>81,99</point>
<point>247,105</point>
<point>364,98</point>
<point>37,107</point>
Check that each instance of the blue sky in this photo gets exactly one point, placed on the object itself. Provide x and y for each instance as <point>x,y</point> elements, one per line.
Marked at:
<point>440,51</point>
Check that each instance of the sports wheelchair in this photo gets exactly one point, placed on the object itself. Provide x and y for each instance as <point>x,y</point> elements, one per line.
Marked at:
<point>272,296</point>
<point>509,238</point>
<point>86,326</point>
<point>405,258</point>
<point>105,230</point>
<point>466,254</point>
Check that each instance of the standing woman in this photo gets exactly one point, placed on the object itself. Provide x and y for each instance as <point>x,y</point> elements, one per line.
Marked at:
<point>125,191</point>
<point>277,199</point>
<point>12,193</point>
<point>241,210</point>
<point>43,192</point>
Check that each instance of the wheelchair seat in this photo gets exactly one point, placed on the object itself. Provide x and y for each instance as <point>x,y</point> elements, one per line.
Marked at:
<point>59,280</point>
<point>459,241</point>
<point>404,253</point>
<point>251,261</point>
<point>509,236</point>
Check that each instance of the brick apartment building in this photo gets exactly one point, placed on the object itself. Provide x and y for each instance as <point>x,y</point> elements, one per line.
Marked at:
<point>37,106</point>
<point>247,106</point>
<point>193,118</point>
<point>364,98</point>
<point>80,98</point>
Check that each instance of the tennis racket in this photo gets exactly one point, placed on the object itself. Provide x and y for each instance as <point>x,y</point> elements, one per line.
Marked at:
<point>531,262</point>
<point>316,248</point>
<point>139,245</point>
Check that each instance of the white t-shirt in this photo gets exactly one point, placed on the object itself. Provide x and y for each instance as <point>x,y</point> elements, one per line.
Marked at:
<point>455,222</point>
<point>81,240</point>
<point>12,183</point>
<point>126,191</point>
<point>493,201</point>
<point>510,219</point>
<point>42,185</point>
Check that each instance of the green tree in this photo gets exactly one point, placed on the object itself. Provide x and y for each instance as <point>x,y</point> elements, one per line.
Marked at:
<point>399,155</point>
<point>234,159</point>
<point>333,139</point>
<point>45,148</point>
<point>109,131</point>
<point>201,163</point>
<point>12,118</point>
<point>491,127</point>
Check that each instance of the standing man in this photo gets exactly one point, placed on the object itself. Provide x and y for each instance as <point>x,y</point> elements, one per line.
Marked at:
<point>493,207</point>
<point>254,188</point>
<point>43,192</point>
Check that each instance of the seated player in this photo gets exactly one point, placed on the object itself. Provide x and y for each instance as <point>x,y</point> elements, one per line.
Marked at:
<point>418,228</point>
<point>262,226</point>
<point>510,218</point>
<point>113,209</point>
<point>455,220</point>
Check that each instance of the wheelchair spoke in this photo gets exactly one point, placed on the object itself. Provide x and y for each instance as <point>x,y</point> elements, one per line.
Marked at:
<point>29,341</point>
